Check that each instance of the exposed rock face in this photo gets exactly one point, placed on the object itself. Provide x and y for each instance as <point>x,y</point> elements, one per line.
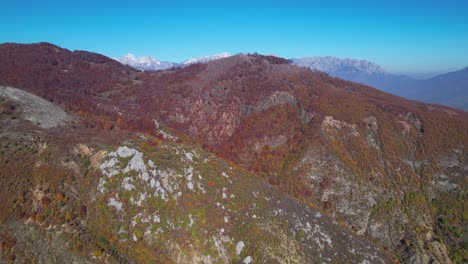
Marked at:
<point>338,189</point>
<point>171,202</point>
<point>290,231</point>
<point>373,132</point>
<point>35,109</point>
<point>412,119</point>
<point>277,98</point>
<point>399,218</point>
<point>331,127</point>
<point>389,169</point>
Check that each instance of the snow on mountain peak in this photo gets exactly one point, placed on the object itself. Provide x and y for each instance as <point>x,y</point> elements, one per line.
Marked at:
<point>207,58</point>
<point>332,64</point>
<point>146,63</point>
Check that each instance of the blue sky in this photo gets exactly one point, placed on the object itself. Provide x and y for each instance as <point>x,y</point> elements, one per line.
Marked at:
<point>402,36</point>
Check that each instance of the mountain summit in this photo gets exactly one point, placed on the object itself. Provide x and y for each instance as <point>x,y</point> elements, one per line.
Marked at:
<point>146,63</point>
<point>448,89</point>
<point>360,163</point>
<point>207,58</point>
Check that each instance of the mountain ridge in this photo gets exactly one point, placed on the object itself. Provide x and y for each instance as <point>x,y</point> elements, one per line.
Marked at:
<point>149,63</point>
<point>145,63</point>
<point>331,64</point>
<point>431,90</point>
<point>385,167</point>
<point>446,92</point>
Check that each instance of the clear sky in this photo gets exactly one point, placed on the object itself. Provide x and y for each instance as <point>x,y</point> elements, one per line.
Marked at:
<point>402,36</point>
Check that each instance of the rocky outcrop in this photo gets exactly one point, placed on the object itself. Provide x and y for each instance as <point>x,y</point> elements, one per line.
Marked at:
<point>35,109</point>
<point>380,165</point>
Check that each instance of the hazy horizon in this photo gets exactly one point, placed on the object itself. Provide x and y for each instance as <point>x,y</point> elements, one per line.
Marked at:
<point>418,75</point>
<point>400,36</point>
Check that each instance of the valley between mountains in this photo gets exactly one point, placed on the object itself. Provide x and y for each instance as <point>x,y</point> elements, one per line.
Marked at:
<point>243,159</point>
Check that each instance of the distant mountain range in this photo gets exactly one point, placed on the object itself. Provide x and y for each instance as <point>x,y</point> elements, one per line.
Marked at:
<point>148,63</point>
<point>242,158</point>
<point>207,58</point>
<point>448,89</point>
<point>345,67</point>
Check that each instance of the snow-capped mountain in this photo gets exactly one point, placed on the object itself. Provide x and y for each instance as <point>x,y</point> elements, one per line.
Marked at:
<point>332,65</point>
<point>146,63</point>
<point>360,71</point>
<point>435,90</point>
<point>207,58</point>
<point>448,89</point>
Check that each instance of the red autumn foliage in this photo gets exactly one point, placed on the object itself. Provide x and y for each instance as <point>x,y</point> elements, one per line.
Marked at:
<point>108,125</point>
<point>230,105</point>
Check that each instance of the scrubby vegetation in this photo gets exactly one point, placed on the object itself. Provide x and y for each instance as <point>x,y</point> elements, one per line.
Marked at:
<point>152,200</point>
<point>358,153</point>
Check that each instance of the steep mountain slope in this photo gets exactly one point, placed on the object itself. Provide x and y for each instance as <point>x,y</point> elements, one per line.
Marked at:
<point>56,73</point>
<point>389,169</point>
<point>448,89</point>
<point>74,194</point>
